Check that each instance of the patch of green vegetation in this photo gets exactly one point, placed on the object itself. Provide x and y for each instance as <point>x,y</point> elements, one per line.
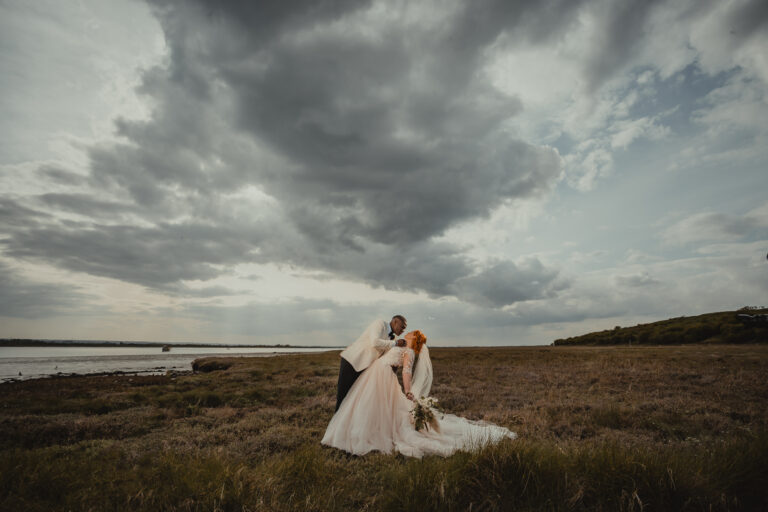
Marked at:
<point>722,327</point>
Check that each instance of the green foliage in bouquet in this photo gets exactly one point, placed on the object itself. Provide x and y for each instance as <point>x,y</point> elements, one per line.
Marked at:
<point>423,413</point>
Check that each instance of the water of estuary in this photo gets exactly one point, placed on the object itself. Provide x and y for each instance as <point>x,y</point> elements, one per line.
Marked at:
<point>43,361</point>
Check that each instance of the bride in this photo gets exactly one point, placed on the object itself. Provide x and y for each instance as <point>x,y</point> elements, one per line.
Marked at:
<point>376,413</point>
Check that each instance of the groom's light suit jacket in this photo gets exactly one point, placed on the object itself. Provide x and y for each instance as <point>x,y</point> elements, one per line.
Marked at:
<point>369,346</point>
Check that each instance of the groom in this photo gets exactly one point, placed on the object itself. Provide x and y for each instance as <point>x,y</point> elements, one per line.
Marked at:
<point>377,339</point>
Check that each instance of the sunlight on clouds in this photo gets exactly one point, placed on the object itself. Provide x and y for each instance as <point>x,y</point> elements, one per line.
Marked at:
<point>586,167</point>
<point>540,76</point>
<point>501,234</point>
<point>120,297</point>
<point>627,131</point>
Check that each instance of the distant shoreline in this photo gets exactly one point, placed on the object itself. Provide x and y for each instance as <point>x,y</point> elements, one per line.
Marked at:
<point>15,342</point>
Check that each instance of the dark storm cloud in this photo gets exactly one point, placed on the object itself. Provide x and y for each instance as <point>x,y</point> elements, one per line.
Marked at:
<point>394,137</point>
<point>60,176</point>
<point>621,29</point>
<point>398,135</point>
<point>507,283</point>
<point>370,135</point>
<point>85,204</point>
<point>263,21</point>
<point>14,215</point>
<point>154,257</point>
<point>479,23</point>
<point>20,297</point>
<point>748,19</point>
<point>162,256</point>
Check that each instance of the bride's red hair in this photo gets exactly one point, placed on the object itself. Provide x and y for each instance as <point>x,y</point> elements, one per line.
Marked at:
<point>418,340</point>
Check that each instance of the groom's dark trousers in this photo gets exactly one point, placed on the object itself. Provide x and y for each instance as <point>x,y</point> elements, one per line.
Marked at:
<point>347,376</point>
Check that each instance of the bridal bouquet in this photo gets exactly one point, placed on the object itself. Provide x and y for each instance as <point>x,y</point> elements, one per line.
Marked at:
<point>423,413</point>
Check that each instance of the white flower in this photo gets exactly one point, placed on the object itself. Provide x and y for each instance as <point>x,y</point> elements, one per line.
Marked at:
<point>423,412</point>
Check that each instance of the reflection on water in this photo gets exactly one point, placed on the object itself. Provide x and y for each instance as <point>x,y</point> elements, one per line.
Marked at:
<point>35,362</point>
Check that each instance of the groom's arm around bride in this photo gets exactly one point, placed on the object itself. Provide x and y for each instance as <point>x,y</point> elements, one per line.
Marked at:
<point>379,337</point>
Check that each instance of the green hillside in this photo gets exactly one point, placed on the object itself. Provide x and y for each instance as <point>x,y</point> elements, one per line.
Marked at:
<point>720,327</point>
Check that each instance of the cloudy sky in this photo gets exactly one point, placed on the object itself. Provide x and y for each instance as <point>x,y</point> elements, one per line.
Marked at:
<point>500,172</point>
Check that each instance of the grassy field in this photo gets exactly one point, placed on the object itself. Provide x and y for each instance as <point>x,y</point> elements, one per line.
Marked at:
<point>601,428</point>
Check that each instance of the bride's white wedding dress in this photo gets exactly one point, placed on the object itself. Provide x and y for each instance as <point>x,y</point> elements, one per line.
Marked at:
<point>375,416</point>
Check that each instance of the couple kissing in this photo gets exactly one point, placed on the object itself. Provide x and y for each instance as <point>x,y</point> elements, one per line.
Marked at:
<point>373,413</point>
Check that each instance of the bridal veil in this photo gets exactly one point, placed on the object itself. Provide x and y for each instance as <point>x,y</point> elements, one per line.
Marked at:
<point>421,382</point>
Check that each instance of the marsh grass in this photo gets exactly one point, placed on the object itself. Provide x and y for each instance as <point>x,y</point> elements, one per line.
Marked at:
<point>611,428</point>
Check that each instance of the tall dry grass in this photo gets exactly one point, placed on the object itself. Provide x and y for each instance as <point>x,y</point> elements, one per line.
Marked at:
<point>609,428</point>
